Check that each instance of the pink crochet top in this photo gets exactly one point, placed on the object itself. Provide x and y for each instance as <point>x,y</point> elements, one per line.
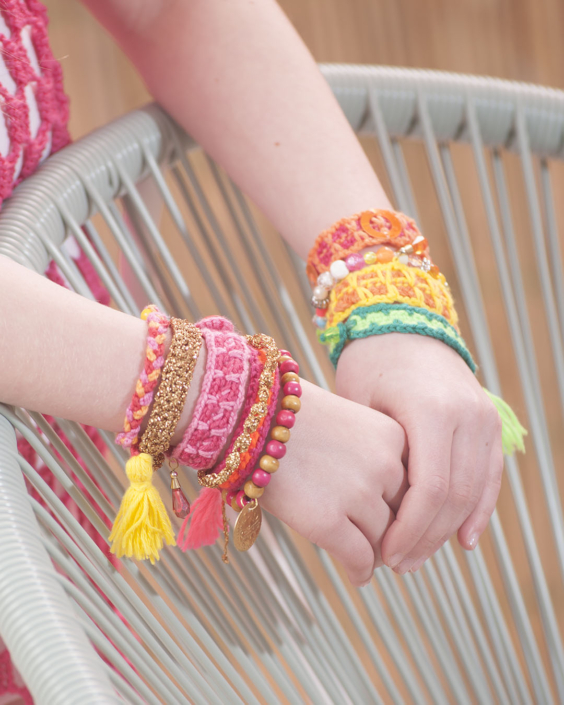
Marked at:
<point>33,123</point>
<point>34,116</point>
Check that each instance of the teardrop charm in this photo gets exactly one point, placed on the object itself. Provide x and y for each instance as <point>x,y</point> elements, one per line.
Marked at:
<point>180,505</point>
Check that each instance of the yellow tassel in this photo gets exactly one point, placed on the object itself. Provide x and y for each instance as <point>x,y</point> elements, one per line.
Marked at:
<point>142,523</point>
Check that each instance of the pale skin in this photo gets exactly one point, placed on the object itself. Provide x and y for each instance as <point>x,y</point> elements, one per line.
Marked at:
<point>235,74</point>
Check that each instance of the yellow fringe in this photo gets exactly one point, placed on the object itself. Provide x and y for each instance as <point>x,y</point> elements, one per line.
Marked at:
<point>142,524</point>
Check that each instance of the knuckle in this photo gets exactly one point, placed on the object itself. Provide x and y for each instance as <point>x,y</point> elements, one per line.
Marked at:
<point>437,488</point>
<point>461,494</point>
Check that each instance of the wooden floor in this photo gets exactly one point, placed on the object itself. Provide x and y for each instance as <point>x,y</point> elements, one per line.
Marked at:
<point>514,39</point>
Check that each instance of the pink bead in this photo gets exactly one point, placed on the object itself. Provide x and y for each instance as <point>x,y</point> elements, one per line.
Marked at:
<point>229,497</point>
<point>355,262</point>
<point>285,352</point>
<point>261,478</point>
<point>242,499</point>
<point>276,449</point>
<point>293,388</point>
<point>289,366</point>
<point>285,418</point>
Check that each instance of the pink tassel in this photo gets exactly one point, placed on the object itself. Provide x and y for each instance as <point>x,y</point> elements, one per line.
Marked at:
<point>207,521</point>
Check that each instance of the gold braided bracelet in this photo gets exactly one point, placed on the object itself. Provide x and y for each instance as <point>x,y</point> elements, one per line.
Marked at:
<point>171,395</point>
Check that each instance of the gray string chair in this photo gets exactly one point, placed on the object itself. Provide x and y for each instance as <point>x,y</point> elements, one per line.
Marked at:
<point>477,162</point>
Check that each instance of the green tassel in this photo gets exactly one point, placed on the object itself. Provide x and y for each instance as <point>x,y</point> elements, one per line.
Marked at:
<point>512,432</point>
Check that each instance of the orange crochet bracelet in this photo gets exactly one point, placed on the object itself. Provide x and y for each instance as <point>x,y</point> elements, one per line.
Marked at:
<point>357,232</point>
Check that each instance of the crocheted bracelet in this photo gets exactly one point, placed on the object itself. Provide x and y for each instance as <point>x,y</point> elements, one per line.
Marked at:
<point>393,318</point>
<point>357,232</point>
<point>221,397</point>
<point>158,325</point>
<point>392,282</point>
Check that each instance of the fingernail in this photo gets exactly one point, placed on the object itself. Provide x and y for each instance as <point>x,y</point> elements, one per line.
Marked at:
<point>395,561</point>
<point>473,541</point>
<point>403,568</point>
<point>415,567</point>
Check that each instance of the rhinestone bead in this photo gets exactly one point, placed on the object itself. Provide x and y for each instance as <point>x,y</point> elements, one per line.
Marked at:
<point>419,244</point>
<point>354,262</point>
<point>180,505</point>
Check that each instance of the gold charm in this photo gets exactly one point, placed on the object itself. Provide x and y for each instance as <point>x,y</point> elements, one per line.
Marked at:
<point>247,526</point>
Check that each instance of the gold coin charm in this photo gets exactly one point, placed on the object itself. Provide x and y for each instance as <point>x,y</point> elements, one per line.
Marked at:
<point>247,526</point>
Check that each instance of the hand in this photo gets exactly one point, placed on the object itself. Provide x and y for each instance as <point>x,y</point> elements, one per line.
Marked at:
<point>342,479</point>
<point>454,437</point>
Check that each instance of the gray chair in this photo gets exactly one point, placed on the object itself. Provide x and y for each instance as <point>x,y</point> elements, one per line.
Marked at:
<point>476,161</point>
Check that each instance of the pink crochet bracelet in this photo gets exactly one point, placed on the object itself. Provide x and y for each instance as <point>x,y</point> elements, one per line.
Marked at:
<point>158,325</point>
<point>221,398</point>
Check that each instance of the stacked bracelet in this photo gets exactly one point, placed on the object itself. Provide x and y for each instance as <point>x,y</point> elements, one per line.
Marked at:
<point>394,288</point>
<point>142,524</point>
<point>234,475</point>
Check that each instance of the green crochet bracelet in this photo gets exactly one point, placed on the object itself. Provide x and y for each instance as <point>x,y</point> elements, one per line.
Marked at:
<point>382,318</point>
<point>393,318</point>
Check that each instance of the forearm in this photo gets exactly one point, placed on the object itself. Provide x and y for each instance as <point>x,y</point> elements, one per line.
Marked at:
<point>239,79</point>
<point>67,356</point>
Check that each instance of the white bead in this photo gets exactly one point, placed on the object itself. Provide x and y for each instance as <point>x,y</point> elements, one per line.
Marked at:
<point>403,258</point>
<point>339,270</point>
<point>320,293</point>
<point>326,280</point>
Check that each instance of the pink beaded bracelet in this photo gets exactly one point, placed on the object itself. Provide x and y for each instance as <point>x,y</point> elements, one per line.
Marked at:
<point>223,391</point>
<point>276,447</point>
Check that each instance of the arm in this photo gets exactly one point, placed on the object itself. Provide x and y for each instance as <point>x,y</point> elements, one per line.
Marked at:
<point>235,74</point>
<point>68,356</point>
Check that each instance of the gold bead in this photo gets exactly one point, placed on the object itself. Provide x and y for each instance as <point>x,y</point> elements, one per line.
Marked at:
<point>370,257</point>
<point>283,358</point>
<point>252,491</point>
<point>234,505</point>
<point>280,433</point>
<point>289,377</point>
<point>269,464</point>
<point>292,403</point>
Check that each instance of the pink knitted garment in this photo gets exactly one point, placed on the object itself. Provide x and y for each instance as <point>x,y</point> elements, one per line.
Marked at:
<point>33,124</point>
<point>34,116</point>
<point>221,398</point>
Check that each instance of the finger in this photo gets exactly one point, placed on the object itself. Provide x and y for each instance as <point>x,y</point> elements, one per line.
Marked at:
<point>351,548</point>
<point>396,482</point>
<point>373,520</point>
<point>429,479</point>
<point>474,526</point>
<point>469,469</point>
